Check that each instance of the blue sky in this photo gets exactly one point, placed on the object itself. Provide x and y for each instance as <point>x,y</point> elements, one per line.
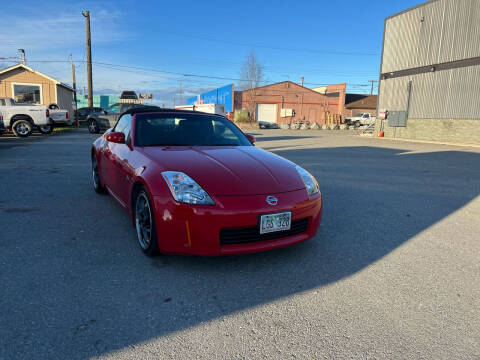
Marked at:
<point>325,41</point>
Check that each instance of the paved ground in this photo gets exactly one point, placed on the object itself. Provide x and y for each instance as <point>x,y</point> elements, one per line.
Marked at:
<point>393,273</point>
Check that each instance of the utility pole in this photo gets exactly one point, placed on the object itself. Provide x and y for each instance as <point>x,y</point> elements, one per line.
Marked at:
<point>173,102</point>
<point>74,82</point>
<point>373,83</point>
<point>302,80</point>
<point>181,95</point>
<point>86,14</point>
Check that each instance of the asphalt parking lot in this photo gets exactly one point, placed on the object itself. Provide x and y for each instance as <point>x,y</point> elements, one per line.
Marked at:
<point>394,271</point>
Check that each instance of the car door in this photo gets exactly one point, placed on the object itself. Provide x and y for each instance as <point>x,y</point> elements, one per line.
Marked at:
<point>108,117</point>
<point>122,170</point>
<point>105,164</point>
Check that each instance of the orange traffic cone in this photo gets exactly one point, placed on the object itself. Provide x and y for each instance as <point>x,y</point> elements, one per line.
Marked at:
<point>380,134</point>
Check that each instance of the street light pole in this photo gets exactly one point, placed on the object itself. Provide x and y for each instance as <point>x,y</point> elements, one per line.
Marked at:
<point>86,14</point>
<point>23,60</point>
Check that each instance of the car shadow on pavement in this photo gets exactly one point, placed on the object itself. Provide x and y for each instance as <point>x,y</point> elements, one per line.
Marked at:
<point>96,294</point>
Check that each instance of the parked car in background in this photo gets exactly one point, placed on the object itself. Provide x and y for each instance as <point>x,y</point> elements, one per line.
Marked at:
<point>23,119</point>
<point>194,183</point>
<point>267,125</point>
<point>59,116</point>
<point>129,94</point>
<point>82,113</point>
<point>360,119</point>
<point>107,118</point>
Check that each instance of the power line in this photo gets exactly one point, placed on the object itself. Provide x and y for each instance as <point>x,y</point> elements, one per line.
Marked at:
<point>129,67</point>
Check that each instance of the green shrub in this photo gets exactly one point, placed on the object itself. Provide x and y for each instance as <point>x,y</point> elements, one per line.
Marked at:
<point>242,116</point>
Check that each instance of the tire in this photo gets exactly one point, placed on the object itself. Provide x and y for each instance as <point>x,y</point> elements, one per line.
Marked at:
<point>93,126</point>
<point>22,128</point>
<point>145,223</point>
<point>97,185</point>
<point>46,129</point>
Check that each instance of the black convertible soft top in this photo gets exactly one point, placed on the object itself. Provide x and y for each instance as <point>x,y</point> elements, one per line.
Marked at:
<point>152,109</point>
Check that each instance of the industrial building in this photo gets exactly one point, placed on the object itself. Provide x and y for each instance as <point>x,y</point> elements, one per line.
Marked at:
<point>287,102</point>
<point>219,96</point>
<point>430,73</point>
<point>102,101</point>
<point>359,103</point>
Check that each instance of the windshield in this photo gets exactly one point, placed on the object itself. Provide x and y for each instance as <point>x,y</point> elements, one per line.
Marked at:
<point>112,108</point>
<point>187,130</point>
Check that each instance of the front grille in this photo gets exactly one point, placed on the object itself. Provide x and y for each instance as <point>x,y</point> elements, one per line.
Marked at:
<point>252,234</point>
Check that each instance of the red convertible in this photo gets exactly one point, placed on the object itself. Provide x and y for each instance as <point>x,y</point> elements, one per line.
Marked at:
<point>194,183</point>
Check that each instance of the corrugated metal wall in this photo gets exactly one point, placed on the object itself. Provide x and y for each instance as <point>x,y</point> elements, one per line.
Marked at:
<point>437,32</point>
<point>222,96</point>
<point>449,94</point>
<point>450,31</point>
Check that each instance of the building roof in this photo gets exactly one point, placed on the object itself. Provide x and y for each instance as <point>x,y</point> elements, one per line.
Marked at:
<point>359,101</point>
<point>410,8</point>
<point>284,82</point>
<point>23,66</point>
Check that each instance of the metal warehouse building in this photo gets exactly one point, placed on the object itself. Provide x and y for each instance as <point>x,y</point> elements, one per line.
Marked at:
<point>430,72</point>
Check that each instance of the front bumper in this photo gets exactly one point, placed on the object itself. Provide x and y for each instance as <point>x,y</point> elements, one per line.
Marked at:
<point>195,229</point>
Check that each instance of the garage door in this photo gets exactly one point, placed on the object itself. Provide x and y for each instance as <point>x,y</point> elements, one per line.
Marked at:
<point>267,112</point>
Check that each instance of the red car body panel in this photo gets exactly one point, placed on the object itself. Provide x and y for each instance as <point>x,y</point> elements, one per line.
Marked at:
<point>238,179</point>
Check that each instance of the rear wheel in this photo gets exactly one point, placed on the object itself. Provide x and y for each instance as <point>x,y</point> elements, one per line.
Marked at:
<point>93,127</point>
<point>145,223</point>
<point>97,186</point>
<point>22,128</point>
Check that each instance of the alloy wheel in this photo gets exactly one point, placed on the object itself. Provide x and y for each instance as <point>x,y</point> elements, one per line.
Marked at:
<point>95,176</point>
<point>22,129</point>
<point>143,221</point>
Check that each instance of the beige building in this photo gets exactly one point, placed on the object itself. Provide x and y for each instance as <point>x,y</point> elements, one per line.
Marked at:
<point>26,85</point>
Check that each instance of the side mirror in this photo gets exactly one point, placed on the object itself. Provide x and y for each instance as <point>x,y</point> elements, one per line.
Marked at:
<point>251,138</point>
<point>104,112</point>
<point>116,137</point>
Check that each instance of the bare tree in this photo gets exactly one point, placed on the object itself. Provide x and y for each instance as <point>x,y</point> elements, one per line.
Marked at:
<point>251,75</point>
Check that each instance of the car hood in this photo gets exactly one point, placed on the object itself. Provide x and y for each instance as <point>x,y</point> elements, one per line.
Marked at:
<point>235,170</point>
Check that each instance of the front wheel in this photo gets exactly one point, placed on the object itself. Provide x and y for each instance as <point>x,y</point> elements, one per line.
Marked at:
<point>46,129</point>
<point>22,128</point>
<point>145,223</point>
<point>93,127</point>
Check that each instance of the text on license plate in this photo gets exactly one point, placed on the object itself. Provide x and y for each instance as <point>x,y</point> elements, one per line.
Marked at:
<point>275,222</point>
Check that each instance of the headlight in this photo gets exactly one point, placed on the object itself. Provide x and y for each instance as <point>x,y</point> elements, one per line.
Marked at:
<point>185,190</point>
<point>310,183</point>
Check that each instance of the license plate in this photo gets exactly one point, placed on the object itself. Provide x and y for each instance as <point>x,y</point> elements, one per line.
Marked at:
<point>275,222</point>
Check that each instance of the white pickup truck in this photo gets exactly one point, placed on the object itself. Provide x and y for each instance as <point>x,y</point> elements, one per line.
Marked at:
<point>360,119</point>
<point>23,119</point>
<point>2,126</point>
<point>59,116</point>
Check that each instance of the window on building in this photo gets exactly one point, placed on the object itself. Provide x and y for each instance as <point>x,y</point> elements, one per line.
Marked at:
<point>30,94</point>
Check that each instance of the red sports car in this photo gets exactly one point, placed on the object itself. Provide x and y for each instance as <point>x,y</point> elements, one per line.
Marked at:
<point>194,183</point>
